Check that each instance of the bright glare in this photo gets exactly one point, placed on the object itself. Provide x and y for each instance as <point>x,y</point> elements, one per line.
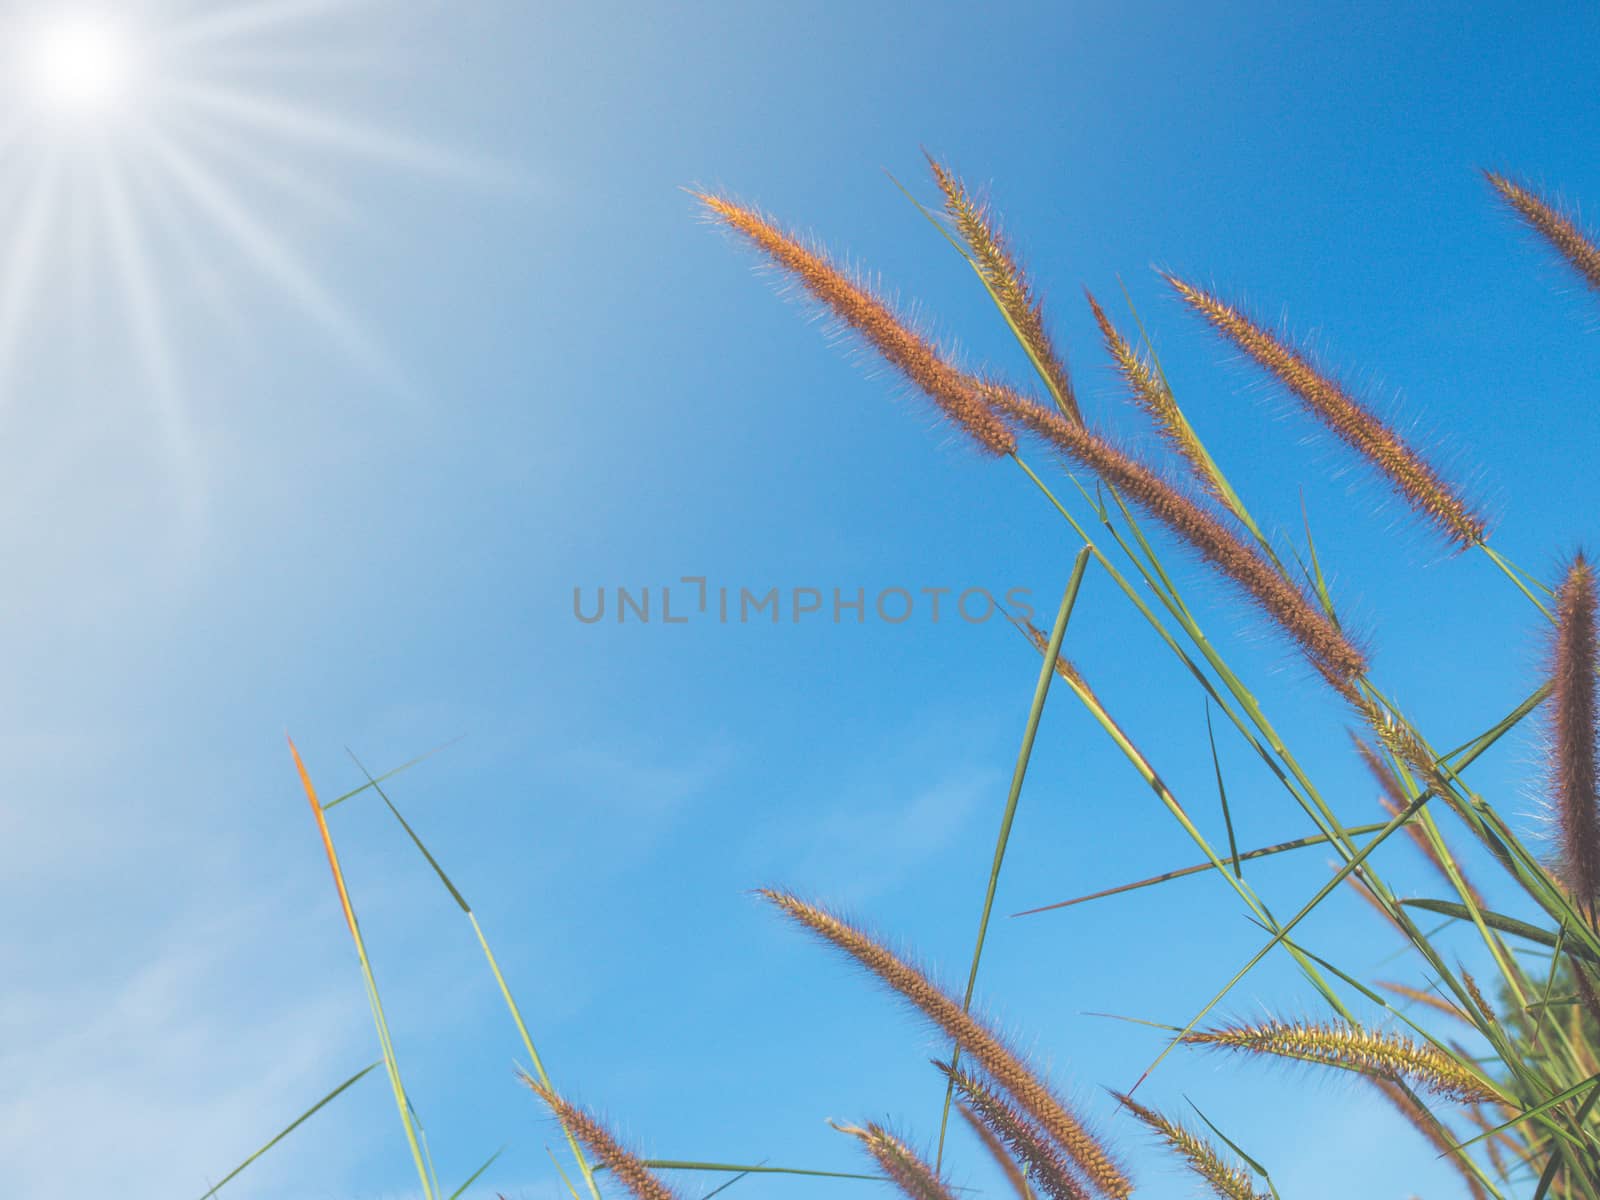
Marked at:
<point>80,64</point>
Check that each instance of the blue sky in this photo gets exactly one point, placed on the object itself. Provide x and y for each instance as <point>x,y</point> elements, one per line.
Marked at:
<point>472,348</point>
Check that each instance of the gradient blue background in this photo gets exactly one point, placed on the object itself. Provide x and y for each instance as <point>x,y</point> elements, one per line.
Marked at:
<point>598,391</point>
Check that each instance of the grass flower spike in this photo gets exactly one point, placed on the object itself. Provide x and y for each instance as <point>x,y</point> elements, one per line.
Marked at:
<point>1323,642</point>
<point>1560,230</point>
<point>1003,1066</point>
<point>900,1163</point>
<point>912,354</point>
<point>1000,270</point>
<point>1152,394</point>
<point>1222,1177</point>
<point>1351,1048</point>
<point>998,1152</point>
<point>583,1125</point>
<point>1573,730</point>
<point>1049,1169</point>
<point>1418,483</point>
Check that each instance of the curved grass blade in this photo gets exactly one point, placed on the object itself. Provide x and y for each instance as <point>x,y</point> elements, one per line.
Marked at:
<point>1041,689</point>
<point>494,966</point>
<point>1501,922</point>
<point>390,1062</point>
<point>1222,794</point>
<point>293,1125</point>
<point>473,1178</point>
<point>1320,839</point>
<point>390,774</point>
<point>674,1164</point>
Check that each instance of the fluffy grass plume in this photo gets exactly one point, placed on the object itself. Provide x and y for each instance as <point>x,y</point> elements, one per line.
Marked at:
<point>1050,1170</point>
<point>1222,1177</point>
<point>900,1163</point>
<point>1001,271</point>
<point>1417,482</point>
<point>1573,730</point>
<point>1350,1048</point>
<point>986,1047</point>
<point>912,354</point>
<point>996,1150</point>
<point>1555,226</point>
<point>1322,641</point>
<point>1151,393</point>
<point>583,1125</point>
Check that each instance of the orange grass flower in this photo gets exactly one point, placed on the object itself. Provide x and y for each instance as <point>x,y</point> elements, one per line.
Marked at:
<point>1001,1063</point>
<point>1555,226</point>
<point>1001,271</point>
<point>1418,483</point>
<point>1573,730</point>
<point>586,1127</point>
<point>1323,642</point>
<point>913,355</point>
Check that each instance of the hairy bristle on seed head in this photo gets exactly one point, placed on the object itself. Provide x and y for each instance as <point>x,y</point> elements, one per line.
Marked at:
<point>1151,393</point>
<point>1226,1179</point>
<point>998,1152</point>
<point>986,1047</point>
<point>1322,641</point>
<point>1412,476</point>
<point>1051,1171</point>
<point>583,1125</point>
<point>1555,226</point>
<point>1351,1048</point>
<point>900,1163</point>
<point>1001,271</point>
<point>1573,732</point>
<point>868,316</point>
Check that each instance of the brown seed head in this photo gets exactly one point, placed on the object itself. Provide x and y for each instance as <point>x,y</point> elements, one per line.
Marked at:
<point>1051,1171</point>
<point>986,1047</point>
<point>997,1151</point>
<point>859,310</point>
<point>1555,226</point>
<point>1001,271</point>
<point>900,1163</point>
<point>1573,733</point>
<point>1224,1178</point>
<point>1352,1048</point>
<point>1323,642</point>
<point>584,1126</point>
<point>1150,391</point>
<point>1417,482</point>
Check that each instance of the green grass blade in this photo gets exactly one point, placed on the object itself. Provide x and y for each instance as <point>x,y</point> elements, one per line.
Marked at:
<point>1222,794</point>
<point>1041,689</point>
<point>389,774</point>
<point>391,1063</point>
<point>1320,839</point>
<point>494,966</point>
<point>293,1125</point>
<point>1501,922</point>
<point>473,1178</point>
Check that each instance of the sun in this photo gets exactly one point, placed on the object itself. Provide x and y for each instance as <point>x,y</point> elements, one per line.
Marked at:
<point>160,163</point>
<point>82,64</point>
